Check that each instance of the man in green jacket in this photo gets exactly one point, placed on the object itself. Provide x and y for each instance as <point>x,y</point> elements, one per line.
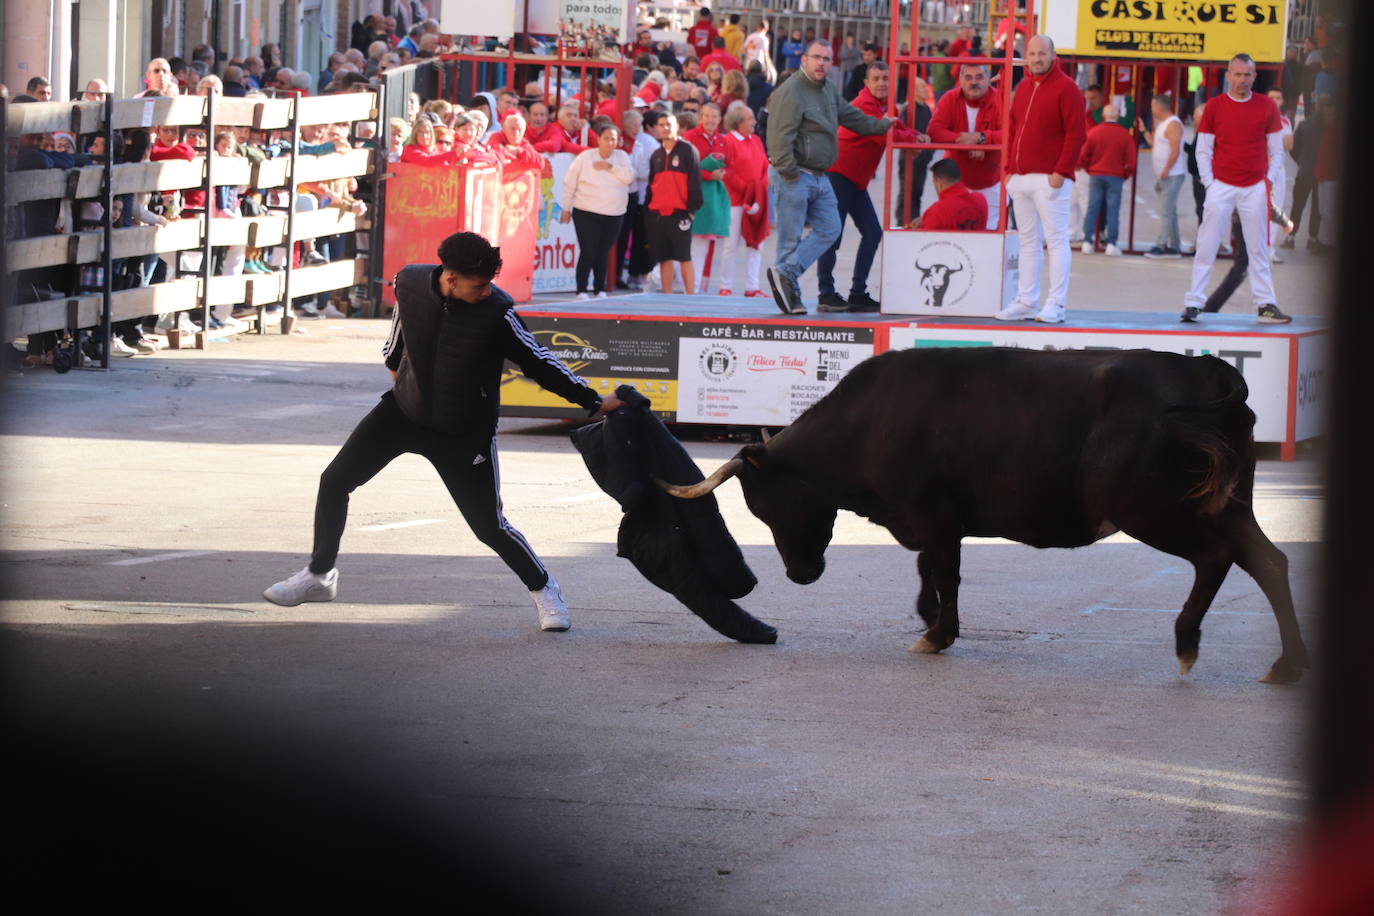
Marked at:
<point>804,115</point>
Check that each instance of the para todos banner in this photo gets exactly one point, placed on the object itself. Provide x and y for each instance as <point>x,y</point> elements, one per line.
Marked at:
<point>1181,29</point>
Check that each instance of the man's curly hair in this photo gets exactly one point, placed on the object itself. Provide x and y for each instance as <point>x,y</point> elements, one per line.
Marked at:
<point>469,254</point>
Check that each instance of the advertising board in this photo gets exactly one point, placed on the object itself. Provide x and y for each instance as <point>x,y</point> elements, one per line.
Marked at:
<point>948,273</point>
<point>1175,29</point>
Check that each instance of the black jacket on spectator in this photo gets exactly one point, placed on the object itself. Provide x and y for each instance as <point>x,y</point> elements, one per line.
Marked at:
<point>680,545</point>
<point>759,88</point>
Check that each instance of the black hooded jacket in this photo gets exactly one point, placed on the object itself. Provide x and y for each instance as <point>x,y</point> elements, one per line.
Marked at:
<point>448,356</point>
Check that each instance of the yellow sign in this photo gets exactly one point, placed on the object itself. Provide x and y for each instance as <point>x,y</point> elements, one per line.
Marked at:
<point>1193,30</point>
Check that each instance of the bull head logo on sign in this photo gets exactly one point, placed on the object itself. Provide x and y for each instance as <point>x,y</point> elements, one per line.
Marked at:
<point>935,282</point>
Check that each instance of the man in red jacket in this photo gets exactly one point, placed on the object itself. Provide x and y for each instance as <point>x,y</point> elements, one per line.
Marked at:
<point>958,209</point>
<point>1046,125</point>
<point>854,168</point>
<point>1108,156</point>
<point>973,116</point>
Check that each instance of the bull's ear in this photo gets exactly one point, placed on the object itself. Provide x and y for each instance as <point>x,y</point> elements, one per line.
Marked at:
<point>755,455</point>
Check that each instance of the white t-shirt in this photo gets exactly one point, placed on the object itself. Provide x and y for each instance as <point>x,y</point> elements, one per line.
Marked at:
<point>1159,152</point>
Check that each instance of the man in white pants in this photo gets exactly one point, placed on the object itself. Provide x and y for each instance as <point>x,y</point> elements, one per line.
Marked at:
<point>1047,129</point>
<point>1239,157</point>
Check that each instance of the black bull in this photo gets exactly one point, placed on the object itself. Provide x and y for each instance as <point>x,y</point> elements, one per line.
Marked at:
<point>1052,449</point>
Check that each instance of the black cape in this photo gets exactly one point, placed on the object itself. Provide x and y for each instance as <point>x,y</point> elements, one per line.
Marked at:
<point>680,545</point>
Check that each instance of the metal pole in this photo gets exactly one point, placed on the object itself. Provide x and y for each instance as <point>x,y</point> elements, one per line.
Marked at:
<point>107,303</point>
<point>288,319</point>
<point>206,250</point>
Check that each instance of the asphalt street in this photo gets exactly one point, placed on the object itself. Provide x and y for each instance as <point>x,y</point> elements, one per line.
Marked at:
<point>1053,760</point>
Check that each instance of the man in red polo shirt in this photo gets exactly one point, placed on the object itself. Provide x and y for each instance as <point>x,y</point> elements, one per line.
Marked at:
<point>1239,156</point>
<point>1047,131</point>
<point>973,116</point>
<point>958,209</point>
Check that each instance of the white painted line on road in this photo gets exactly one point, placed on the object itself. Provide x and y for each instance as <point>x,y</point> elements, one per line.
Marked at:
<point>390,526</point>
<point>1093,609</point>
<point>159,557</point>
<point>1117,791</point>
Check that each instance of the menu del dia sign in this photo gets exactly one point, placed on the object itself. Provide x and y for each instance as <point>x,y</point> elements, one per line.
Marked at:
<point>1181,29</point>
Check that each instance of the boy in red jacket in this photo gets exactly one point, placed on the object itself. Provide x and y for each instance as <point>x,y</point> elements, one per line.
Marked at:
<point>1108,156</point>
<point>958,209</point>
<point>1046,125</point>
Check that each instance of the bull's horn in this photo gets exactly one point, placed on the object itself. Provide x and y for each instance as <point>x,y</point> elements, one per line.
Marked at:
<point>764,434</point>
<point>694,491</point>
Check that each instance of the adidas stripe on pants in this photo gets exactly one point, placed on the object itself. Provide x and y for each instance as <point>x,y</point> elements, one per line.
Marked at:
<point>467,466</point>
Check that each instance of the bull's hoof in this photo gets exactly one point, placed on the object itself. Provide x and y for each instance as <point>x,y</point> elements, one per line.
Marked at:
<point>1283,672</point>
<point>1186,661</point>
<point>925,647</point>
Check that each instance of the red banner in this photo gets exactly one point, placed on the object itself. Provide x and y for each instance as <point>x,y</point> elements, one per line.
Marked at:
<point>425,204</point>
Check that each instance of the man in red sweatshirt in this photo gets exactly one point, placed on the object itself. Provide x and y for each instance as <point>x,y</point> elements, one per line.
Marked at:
<point>958,209</point>
<point>849,177</point>
<point>973,116</point>
<point>1047,132</point>
<point>1108,156</point>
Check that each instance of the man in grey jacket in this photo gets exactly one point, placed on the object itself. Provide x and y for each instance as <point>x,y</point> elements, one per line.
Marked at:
<point>804,115</point>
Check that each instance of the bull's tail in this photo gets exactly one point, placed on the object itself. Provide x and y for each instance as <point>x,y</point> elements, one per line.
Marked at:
<point>1221,429</point>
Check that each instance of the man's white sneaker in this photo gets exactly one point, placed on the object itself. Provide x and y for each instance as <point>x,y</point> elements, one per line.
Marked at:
<point>1086,248</point>
<point>1017,311</point>
<point>304,586</point>
<point>553,613</point>
<point>1113,251</point>
<point>1051,314</point>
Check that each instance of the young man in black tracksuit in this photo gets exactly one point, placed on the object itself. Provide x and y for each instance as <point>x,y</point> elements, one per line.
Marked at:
<point>451,332</point>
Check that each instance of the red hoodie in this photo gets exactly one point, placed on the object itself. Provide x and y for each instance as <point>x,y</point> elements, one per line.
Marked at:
<point>1046,125</point>
<point>859,155</point>
<point>951,119</point>
<point>957,210</point>
<point>1109,150</point>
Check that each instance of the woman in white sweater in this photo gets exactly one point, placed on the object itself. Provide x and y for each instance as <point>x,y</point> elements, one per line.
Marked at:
<point>595,192</point>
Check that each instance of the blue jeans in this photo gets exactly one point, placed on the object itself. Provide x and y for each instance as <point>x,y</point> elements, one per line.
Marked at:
<point>1103,188</point>
<point>1168,218</point>
<point>851,201</point>
<point>809,199</point>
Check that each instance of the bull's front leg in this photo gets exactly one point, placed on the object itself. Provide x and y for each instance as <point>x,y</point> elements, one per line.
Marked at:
<point>927,601</point>
<point>939,568</point>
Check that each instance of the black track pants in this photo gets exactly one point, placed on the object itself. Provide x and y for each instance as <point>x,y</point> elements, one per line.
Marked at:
<point>467,467</point>
<point>596,235</point>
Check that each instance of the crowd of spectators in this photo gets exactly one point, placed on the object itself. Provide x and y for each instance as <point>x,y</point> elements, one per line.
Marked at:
<point>683,177</point>
<point>262,75</point>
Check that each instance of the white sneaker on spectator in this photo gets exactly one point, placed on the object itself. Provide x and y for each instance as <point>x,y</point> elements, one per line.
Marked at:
<point>1051,314</point>
<point>234,325</point>
<point>119,348</point>
<point>601,295</point>
<point>330,311</point>
<point>553,612</point>
<point>304,586</point>
<point>1086,248</point>
<point>179,321</point>
<point>582,297</point>
<point>1112,250</point>
<point>1016,311</point>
